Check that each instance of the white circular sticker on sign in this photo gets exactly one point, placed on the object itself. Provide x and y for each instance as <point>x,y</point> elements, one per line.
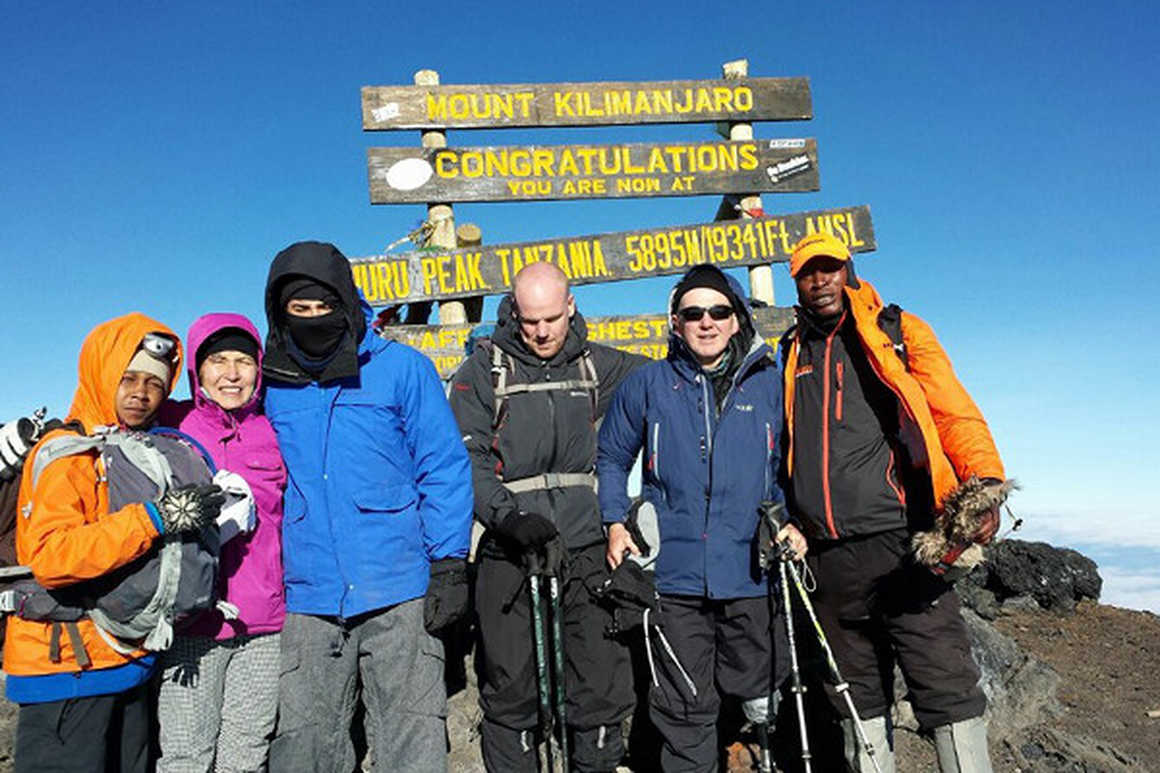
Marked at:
<point>409,174</point>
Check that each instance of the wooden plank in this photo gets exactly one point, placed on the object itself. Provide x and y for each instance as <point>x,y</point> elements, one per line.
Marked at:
<point>512,105</point>
<point>646,334</point>
<point>489,269</point>
<point>630,170</point>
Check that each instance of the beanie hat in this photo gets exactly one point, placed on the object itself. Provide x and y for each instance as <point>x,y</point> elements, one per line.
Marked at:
<point>228,339</point>
<point>814,246</point>
<point>144,362</point>
<point>705,276</point>
<point>307,288</point>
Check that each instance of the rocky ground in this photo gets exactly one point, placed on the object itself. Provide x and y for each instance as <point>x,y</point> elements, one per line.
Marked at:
<point>1070,682</point>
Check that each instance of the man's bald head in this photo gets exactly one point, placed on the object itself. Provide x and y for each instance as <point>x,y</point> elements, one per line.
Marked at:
<point>544,307</point>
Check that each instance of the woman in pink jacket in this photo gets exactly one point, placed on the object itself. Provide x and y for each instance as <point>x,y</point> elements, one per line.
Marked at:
<point>219,690</point>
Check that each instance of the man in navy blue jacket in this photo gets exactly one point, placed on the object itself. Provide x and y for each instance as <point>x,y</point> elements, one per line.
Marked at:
<point>377,516</point>
<point>708,418</point>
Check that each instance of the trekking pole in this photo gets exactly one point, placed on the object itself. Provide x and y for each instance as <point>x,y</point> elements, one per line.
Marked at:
<point>842,687</point>
<point>558,664</point>
<point>538,635</point>
<point>795,672</point>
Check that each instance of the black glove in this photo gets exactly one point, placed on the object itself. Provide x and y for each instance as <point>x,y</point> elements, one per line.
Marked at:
<point>529,530</point>
<point>447,594</point>
<point>773,517</point>
<point>190,508</point>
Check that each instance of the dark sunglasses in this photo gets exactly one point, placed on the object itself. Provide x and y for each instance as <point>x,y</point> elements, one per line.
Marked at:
<point>717,312</point>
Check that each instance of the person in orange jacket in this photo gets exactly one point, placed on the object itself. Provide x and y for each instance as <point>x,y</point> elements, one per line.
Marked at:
<point>892,473</point>
<point>83,703</point>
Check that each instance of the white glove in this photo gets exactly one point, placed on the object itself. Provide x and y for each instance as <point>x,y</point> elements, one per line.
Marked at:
<point>17,437</point>
<point>238,516</point>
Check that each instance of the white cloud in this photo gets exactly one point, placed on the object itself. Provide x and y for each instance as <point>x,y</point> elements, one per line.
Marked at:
<point>1118,529</point>
<point>1131,589</point>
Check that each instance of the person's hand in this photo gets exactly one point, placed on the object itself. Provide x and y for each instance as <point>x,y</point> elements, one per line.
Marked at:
<point>447,594</point>
<point>790,535</point>
<point>189,508</point>
<point>528,530</point>
<point>619,543</point>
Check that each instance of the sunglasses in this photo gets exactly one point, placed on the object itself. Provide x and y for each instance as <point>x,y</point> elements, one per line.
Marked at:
<point>158,345</point>
<point>717,312</point>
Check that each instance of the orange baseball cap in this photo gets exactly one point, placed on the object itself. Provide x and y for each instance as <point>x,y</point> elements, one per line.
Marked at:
<point>815,245</point>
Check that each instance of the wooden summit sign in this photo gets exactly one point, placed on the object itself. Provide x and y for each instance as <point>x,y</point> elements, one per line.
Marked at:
<point>427,275</point>
<point>546,172</point>
<point>646,334</point>
<point>584,104</point>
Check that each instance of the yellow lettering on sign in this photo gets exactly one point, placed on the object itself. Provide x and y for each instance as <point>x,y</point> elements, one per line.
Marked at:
<point>502,254</point>
<point>444,273</point>
<point>568,164</point>
<point>618,102</point>
<point>525,99</point>
<point>638,185</point>
<point>429,267</point>
<point>445,165</point>
<point>743,98</point>
<point>656,162</point>
<point>662,101</point>
<point>436,106</point>
<point>748,154</point>
<point>562,101</point>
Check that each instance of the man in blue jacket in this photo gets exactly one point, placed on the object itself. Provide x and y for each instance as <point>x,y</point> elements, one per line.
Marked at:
<point>377,516</point>
<point>708,418</point>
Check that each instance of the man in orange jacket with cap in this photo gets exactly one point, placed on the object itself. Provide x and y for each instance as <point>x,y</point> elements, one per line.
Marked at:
<point>83,703</point>
<point>893,475</point>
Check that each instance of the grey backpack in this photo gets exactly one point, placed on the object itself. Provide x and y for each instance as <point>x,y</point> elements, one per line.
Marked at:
<point>139,604</point>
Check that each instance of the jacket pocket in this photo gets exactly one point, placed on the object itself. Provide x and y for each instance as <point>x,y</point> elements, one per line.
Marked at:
<point>385,498</point>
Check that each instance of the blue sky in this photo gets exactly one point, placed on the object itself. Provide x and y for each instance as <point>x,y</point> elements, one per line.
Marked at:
<point>155,157</point>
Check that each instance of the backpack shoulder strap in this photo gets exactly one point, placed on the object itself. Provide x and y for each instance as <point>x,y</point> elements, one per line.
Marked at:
<point>890,321</point>
<point>61,446</point>
<point>591,377</point>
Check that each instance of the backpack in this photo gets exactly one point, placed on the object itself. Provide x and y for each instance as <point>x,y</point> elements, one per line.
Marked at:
<point>138,605</point>
<point>503,365</point>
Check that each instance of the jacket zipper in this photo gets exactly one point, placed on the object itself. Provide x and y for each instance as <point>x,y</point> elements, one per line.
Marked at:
<point>768,459</point>
<point>838,391</point>
<point>826,430</point>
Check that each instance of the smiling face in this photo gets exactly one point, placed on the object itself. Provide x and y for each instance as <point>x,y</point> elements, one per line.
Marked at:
<point>820,283</point>
<point>139,395</point>
<point>706,337</point>
<point>228,378</point>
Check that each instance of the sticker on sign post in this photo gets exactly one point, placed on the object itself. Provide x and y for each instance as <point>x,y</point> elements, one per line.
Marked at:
<point>409,174</point>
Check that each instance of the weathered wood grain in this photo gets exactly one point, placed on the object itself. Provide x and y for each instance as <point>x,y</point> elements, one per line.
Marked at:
<point>513,105</point>
<point>488,269</point>
<point>401,175</point>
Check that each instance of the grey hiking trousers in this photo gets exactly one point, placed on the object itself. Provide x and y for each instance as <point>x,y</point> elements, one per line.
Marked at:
<point>389,659</point>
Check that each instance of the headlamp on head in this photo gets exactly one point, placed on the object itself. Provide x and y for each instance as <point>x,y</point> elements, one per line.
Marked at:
<point>158,345</point>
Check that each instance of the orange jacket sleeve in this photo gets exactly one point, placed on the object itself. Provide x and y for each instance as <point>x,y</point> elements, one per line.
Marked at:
<point>964,434</point>
<point>67,535</point>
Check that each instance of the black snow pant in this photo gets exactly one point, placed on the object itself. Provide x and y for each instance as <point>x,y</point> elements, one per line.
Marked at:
<point>597,669</point>
<point>726,647</point>
<point>86,735</point>
<point>877,607</point>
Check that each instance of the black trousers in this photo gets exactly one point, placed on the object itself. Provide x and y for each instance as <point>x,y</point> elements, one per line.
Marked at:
<point>86,735</point>
<point>597,669</point>
<point>877,607</point>
<point>726,647</point>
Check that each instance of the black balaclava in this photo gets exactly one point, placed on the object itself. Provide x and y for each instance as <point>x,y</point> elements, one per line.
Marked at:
<point>318,338</point>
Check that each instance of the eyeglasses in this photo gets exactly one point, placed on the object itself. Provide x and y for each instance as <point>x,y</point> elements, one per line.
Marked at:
<point>716,313</point>
<point>158,345</point>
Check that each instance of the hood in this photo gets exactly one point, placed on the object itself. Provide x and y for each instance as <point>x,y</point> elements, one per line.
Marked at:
<point>325,263</point>
<point>677,348</point>
<point>104,355</point>
<point>507,336</point>
<point>201,329</point>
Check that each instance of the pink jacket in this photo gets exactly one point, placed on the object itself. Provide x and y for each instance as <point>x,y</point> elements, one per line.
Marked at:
<point>241,441</point>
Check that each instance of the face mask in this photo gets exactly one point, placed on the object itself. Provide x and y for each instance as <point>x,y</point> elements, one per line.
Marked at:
<point>317,336</point>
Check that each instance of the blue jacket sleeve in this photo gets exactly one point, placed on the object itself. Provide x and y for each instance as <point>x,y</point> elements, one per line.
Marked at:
<point>442,471</point>
<point>620,440</point>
